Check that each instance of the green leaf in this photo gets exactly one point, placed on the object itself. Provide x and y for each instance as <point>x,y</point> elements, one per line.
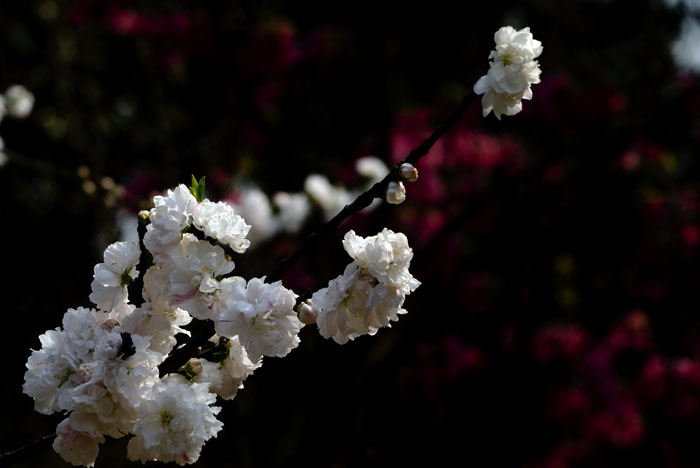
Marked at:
<point>197,188</point>
<point>200,189</point>
<point>194,186</point>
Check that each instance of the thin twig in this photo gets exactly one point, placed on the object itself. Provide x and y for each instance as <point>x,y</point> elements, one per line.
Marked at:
<point>17,455</point>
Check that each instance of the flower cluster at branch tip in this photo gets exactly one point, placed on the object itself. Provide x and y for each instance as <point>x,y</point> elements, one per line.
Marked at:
<point>513,70</point>
<point>371,291</point>
<point>102,366</point>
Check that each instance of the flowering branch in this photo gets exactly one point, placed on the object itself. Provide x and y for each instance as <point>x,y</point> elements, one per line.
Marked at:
<point>194,346</point>
<point>181,269</point>
<point>180,356</point>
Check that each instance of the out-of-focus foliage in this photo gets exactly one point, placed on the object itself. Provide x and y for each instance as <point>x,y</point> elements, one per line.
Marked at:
<point>558,320</point>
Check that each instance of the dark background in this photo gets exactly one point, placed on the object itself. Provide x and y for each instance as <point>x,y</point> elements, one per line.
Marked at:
<point>558,323</point>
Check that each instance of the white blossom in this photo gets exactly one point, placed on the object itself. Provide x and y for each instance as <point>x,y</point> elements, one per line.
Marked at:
<point>20,101</point>
<point>159,317</point>
<point>196,273</point>
<point>371,292</point>
<point>111,385</point>
<point>253,205</point>
<point>218,221</point>
<point>175,420</point>
<point>83,368</point>
<point>371,167</point>
<point>76,447</point>
<point>355,304</point>
<point>513,69</point>
<point>341,308</point>
<point>262,315</point>
<point>294,209</point>
<point>226,377</point>
<point>49,369</point>
<point>111,278</point>
<point>684,49</point>
<point>330,198</point>
<point>169,217</point>
<point>129,380</point>
<point>385,256</point>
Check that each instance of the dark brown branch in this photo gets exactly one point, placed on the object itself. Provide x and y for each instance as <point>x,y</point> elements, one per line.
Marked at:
<point>145,262</point>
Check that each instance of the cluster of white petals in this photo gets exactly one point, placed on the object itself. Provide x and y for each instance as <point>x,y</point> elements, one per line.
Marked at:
<point>175,420</point>
<point>112,277</point>
<point>513,70</point>
<point>226,377</point>
<point>218,221</point>
<point>86,368</point>
<point>76,447</point>
<point>371,292</point>
<point>169,217</point>
<point>195,275</point>
<point>262,316</point>
<point>159,317</point>
<point>329,197</point>
<point>294,208</point>
<point>371,167</point>
<point>385,256</point>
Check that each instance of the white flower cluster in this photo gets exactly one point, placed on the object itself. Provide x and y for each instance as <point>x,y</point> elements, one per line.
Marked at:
<point>513,70</point>
<point>371,292</point>
<point>102,366</point>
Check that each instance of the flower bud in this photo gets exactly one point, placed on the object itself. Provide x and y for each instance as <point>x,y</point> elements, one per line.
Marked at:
<point>408,172</point>
<point>109,324</point>
<point>395,193</point>
<point>196,366</point>
<point>307,313</point>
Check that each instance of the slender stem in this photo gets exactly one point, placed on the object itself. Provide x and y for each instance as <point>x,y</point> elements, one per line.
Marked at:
<point>17,455</point>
